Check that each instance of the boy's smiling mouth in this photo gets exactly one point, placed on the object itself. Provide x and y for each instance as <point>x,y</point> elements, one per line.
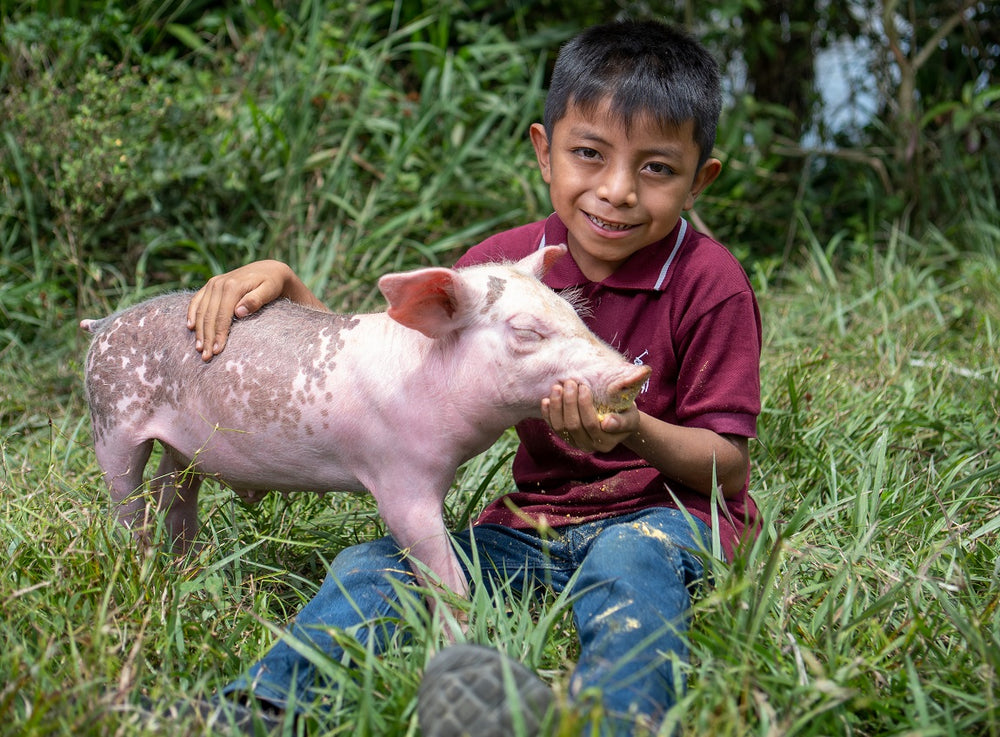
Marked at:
<point>606,224</point>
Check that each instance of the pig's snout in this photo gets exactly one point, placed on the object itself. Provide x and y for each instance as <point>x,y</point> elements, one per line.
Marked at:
<point>623,391</point>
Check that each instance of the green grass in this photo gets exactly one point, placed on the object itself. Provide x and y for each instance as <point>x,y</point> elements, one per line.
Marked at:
<point>870,604</point>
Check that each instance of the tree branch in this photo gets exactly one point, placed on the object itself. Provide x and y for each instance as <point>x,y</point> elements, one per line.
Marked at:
<point>947,27</point>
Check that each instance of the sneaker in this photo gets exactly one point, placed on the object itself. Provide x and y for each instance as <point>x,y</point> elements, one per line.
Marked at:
<point>475,691</point>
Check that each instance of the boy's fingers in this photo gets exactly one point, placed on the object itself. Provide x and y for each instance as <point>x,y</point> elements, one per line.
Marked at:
<point>570,405</point>
<point>223,319</point>
<point>569,410</point>
<point>192,310</point>
<point>587,413</point>
<point>585,403</point>
<point>552,411</point>
<point>252,301</point>
<point>196,317</point>
<point>216,309</point>
<point>218,319</point>
<point>203,319</point>
<point>573,430</point>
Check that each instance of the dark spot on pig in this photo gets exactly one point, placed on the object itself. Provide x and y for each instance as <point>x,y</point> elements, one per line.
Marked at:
<point>494,289</point>
<point>275,362</point>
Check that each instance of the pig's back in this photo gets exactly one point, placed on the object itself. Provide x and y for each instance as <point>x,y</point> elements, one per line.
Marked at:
<point>143,369</point>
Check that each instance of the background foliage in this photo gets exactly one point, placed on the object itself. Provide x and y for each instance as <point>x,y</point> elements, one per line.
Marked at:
<point>145,146</point>
<point>152,139</point>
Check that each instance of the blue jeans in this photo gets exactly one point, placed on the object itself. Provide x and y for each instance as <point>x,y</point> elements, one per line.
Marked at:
<point>632,593</point>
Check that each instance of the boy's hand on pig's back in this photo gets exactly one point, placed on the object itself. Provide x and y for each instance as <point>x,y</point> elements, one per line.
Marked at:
<point>236,293</point>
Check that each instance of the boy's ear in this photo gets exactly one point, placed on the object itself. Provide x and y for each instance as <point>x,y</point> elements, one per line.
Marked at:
<point>540,140</point>
<point>707,174</point>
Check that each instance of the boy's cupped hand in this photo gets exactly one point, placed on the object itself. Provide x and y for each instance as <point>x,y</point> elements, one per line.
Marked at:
<point>569,409</point>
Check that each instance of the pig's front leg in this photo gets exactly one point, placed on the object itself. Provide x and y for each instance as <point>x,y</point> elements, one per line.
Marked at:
<point>416,523</point>
<point>428,548</point>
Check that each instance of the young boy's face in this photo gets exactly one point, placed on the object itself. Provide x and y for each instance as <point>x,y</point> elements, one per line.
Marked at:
<point>618,192</point>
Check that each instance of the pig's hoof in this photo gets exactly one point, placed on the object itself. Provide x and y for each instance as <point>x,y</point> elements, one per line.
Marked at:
<point>475,690</point>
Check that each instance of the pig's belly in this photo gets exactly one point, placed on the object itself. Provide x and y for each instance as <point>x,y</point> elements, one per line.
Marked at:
<point>263,458</point>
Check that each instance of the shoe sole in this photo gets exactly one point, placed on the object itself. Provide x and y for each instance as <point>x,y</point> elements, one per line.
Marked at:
<point>475,691</point>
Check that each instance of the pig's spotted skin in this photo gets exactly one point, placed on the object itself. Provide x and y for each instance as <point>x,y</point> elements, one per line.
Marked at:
<point>494,291</point>
<point>244,396</point>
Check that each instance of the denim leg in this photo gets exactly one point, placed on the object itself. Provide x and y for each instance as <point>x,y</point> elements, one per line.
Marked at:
<point>633,597</point>
<point>631,601</point>
<point>519,558</point>
<point>355,595</point>
<point>358,593</point>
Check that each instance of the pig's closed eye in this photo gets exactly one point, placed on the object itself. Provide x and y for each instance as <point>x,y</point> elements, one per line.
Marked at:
<point>528,335</point>
<point>524,333</point>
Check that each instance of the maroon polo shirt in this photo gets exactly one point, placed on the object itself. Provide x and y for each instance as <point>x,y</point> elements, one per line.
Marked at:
<point>685,308</point>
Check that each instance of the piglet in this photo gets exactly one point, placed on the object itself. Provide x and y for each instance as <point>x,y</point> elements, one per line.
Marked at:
<point>303,400</point>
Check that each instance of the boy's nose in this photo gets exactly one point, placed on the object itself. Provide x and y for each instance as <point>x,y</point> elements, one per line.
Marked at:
<point>619,189</point>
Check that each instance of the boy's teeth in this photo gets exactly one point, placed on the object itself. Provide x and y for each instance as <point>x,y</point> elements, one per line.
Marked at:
<point>608,226</point>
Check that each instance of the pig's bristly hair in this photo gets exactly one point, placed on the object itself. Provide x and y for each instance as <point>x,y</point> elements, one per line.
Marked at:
<point>579,303</point>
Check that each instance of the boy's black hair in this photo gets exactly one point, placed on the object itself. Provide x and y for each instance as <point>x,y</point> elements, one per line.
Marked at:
<point>643,68</point>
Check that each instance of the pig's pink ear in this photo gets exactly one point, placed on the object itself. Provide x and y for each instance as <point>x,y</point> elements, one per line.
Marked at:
<point>423,300</point>
<point>539,262</point>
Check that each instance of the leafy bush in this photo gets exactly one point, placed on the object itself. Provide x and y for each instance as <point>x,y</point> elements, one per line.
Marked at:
<point>306,142</point>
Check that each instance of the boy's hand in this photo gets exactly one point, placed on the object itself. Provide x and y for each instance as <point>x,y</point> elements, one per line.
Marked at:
<point>236,293</point>
<point>569,410</point>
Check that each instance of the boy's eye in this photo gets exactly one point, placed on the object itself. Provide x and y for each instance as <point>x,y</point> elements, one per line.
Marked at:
<point>657,167</point>
<point>586,153</point>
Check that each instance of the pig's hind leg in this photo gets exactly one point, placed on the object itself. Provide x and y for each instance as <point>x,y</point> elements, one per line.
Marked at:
<point>176,486</point>
<point>123,464</point>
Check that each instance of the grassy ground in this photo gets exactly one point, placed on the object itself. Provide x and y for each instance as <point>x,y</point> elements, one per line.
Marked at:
<point>869,605</point>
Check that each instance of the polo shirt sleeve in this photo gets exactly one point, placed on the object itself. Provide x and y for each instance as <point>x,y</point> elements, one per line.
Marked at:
<point>718,382</point>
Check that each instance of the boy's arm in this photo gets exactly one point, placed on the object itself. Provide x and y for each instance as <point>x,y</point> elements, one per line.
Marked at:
<point>238,293</point>
<point>692,455</point>
<point>689,455</point>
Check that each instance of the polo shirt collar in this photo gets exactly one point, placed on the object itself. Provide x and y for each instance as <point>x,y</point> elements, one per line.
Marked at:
<point>647,269</point>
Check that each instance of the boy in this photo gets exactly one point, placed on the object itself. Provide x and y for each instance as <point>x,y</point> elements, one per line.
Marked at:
<point>625,501</point>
